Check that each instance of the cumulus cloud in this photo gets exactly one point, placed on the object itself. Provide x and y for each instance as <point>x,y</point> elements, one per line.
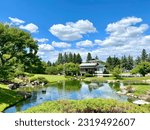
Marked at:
<point>61,44</point>
<point>16,21</point>
<point>72,31</point>
<point>86,43</point>
<point>32,28</point>
<point>124,32</point>
<point>41,40</point>
<point>45,47</point>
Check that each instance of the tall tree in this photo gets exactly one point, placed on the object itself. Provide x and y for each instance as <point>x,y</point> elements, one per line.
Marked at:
<point>130,62</point>
<point>148,59</point>
<point>74,58</point>
<point>124,63</point>
<point>138,60</point>
<point>79,59</point>
<point>89,57</point>
<point>60,58</point>
<point>70,57</point>
<point>144,55</point>
<point>65,58</point>
<point>16,47</point>
<point>49,63</point>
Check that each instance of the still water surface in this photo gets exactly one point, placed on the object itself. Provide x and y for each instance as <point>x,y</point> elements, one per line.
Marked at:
<point>68,90</point>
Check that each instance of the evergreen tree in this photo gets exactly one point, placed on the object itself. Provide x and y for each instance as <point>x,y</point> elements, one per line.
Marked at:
<point>74,58</point>
<point>89,57</point>
<point>70,57</point>
<point>130,64</point>
<point>60,58</point>
<point>49,63</point>
<point>79,59</point>
<point>65,58</point>
<point>144,55</point>
<point>138,60</point>
<point>109,62</point>
<point>148,59</point>
<point>124,62</point>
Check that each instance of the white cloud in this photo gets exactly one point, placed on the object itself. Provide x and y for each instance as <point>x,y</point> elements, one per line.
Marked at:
<point>61,44</point>
<point>45,47</point>
<point>86,43</point>
<point>32,28</point>
<point>72,31</point>
<point>16,21</point>
<point>41,40</point>
<point>124,32</point>
<point>125,37</point>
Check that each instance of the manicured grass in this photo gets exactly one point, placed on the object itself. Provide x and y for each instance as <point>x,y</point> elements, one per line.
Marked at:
<point>88,106</point>
<point>51,78</point>
<point>124,79</point>
<point>141,89</point>
<point>136,78</point>
<point>3,86</point>
<point>103,79</point>
<point>8,97</point>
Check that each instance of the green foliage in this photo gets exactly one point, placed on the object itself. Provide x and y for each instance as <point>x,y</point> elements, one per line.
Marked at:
<point>71,69</point>
<point>40,79</point>
<point>67,58</point>
<point>144,55</point>
<point>51,70</point>
<point>88,106</point>
<point>141,89</point>
<point>50,78</point>
<point>88,75</point>
<point>112,62</point>
<point>116,72</point>
<point>17,48</point>
<point>143,68</point>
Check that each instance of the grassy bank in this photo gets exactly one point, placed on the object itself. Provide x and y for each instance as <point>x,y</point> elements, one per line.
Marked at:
<point>141,89</point>
<point>51,78</point>
<point>8,97</point>
<point>124,79</point>
<point>88,106</point>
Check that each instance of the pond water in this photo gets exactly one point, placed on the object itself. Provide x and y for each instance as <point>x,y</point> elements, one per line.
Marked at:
<point>68,90</point>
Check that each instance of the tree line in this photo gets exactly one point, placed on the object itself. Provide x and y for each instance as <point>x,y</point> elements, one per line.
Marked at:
<point>127,63</point>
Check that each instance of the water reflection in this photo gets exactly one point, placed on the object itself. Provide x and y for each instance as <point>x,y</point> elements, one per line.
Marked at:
<point>73,89</point>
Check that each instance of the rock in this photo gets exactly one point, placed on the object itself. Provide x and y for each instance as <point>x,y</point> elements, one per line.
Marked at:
<point>122,92</point>
<point>43,91</point>
<point>14,86</point>
<point>141,102</point>
<point>148,99</point>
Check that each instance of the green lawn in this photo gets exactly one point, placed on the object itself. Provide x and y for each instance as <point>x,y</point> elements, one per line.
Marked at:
<point>88,106</point>
<point>103,79</point>
<point>141,89</point>
<point>8,97</point>
<point>51,78</point>
<point>124,79</point>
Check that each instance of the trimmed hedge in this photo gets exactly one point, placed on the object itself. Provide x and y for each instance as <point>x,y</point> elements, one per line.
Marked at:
<point>88,106</point>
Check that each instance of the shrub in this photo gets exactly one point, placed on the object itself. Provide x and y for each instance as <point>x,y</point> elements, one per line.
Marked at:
<point>40,79</point>
<point>88,75</point>
<point>88,106</point>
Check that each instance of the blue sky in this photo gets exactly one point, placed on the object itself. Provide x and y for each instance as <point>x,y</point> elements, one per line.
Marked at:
<point>102,27</point>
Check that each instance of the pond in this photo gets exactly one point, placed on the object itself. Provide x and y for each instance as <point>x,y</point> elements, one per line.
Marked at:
<point>73,89</point>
